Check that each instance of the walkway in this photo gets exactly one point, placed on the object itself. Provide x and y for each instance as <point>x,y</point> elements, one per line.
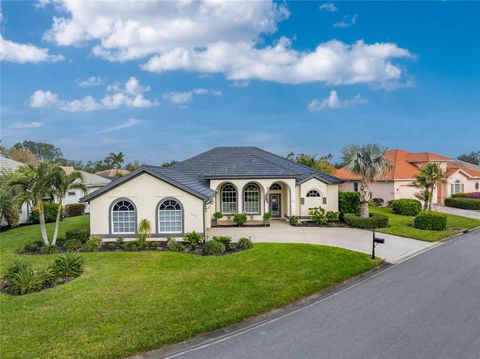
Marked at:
<point>456,211</point>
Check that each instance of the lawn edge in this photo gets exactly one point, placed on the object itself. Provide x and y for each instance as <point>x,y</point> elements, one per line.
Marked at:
<point>172,350</point>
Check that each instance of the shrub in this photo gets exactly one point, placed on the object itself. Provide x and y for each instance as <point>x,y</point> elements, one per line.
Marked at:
<point>223,239</point>
<point>348,202</point>
<point>176,247</point>
<point>26,279</point>
<point>80,234</point>
<point>332,216</point>
<point>213,247</point>
<point>50,210</point>
<point>218,215</point>
<point>317,215</point>
<point>467,195</point>
<point>75,209</point>
<point>193,238</point>
<point>375,220</point>
<point>111,245</point>
<point>61,241</point>
<point>431,220</point>
<point>244,243</point>
<point>462,202</point>
<point>120,240</point>
<point>240,219</point>
<point>68,265</point>
<point>92,245</point>
<point>406,207</point>
<point>293,220</point>
<point>379,202</point>
<point>267,216</point>
<point>32,246</point>
<point>73,244</point>
<point>131,246</point>
<point>49,249</point>
<point>11,215</point>
<point>144,229</point>
<point>16,267</point>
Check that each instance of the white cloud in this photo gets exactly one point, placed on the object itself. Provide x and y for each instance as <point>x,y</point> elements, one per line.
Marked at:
<point>328,6</point>
<point>22,53</point>
<point>128,96</point>
<point>334,102</point>
<point>130,123</point>
<point>219,37</point>
<point>20,125</point>
<point>347,21</point>
<point>131,87</point>
<point>91,82</point>
<point>181,98</point>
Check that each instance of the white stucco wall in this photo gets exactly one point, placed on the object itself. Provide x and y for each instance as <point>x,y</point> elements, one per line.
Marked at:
<point>468,183</point>
<point>145,191</point>
<point>328,191</point>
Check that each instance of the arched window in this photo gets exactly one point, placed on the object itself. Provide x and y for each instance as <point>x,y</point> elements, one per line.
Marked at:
<point>458,186</point>
<point>251,199</point>
<point>170,217</point>
<point>313,193</point>
<point>229,199</point>
<point>275,187</point>
<point>123,217</point>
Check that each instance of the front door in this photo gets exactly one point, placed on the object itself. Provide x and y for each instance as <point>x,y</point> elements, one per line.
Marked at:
<point>275,206</point>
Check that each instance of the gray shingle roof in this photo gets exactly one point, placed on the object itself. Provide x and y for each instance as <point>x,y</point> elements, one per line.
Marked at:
<point>223,162</point>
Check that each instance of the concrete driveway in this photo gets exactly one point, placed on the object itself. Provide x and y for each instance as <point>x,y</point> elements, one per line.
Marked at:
<point>394,250</point>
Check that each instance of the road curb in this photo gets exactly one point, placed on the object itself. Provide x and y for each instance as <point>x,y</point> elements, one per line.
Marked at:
<point>174,350</point>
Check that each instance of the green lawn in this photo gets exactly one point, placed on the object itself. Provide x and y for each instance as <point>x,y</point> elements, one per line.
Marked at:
<point>402,226</point>
<point>127,303</point>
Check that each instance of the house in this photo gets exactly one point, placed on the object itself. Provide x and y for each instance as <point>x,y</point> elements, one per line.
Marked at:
<point>7,164</point>
<point>112,173</point>
<point>92,181</point>
<point>184,197</point>
<point>397,182</point>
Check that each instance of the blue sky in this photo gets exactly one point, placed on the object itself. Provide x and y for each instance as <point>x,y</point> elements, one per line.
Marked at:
<point>170,80</point>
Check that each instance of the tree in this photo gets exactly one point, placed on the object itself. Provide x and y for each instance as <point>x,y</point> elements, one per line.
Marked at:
<point>62,183</point>
<point>322,163</point>
<point>20,155</point>
<point>369,162</point>
<point>9,200</point>
<point>472,157</point>
<point>427,180</point>
<point>33,184</point>
<point>43,151</point>
<point>169,164</point>
<point>133,166</point>
<point>144,229</point>
<point>116,159</point>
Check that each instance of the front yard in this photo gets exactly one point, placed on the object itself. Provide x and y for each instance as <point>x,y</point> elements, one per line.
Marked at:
<point>129,302</point>
<point>402,226</point>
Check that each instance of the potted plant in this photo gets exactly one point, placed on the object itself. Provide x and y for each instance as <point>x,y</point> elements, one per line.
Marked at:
<point>217,216</point>
<point>266,218</point>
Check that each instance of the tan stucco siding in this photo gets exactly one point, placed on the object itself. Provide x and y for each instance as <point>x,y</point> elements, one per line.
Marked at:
<point>145,191</point>
<point>330,192</point>
<point>468,184</point>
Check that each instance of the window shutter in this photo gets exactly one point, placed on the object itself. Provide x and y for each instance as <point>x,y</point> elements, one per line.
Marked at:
<point>452,189</point>
<point>463,187</point>
<point>302,200</point>
<point>324,200</point>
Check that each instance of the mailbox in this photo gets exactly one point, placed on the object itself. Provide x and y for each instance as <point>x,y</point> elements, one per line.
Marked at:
<point>375,241</point>
<point>379,240</point>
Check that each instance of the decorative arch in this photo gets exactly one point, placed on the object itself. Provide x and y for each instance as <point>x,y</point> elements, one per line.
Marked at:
<point>122,216</point>
<point>169,216</point>
<point>251,198</point>
<point>275,187</point>
<point>228,198</point>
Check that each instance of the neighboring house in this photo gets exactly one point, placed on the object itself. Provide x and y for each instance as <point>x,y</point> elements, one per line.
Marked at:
<point>92,181</point>
<point>397,183</point>
<point>6,164</point>
<point>112,173</point>
<point>184,197</point>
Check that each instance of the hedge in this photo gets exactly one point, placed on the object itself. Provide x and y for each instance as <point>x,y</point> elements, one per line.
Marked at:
<point>348,202</point>
<point>406,207</point>
<point>75,209</point>
<point>464,203</point>
<point>467,195</point>
<point>50,210</point>
<point>431,220</point>
<point>79,234</point>
<point>376,220</point>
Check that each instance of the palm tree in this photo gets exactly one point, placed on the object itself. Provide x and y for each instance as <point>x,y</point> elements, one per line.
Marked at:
<point>62,183</point>
<point>116,159</point>
<point>144,229</point>
<point>427,179</point>
<point>369,162</point>
<point>34,183</point>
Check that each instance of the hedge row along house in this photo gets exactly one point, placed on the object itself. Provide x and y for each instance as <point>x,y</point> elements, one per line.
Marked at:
<point>397,183</point>
<point>184,197</point>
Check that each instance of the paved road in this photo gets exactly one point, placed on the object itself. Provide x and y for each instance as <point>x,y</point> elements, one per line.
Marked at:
<point>427,307</point>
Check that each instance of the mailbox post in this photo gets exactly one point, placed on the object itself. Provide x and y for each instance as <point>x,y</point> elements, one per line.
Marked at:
<point>375,241</point>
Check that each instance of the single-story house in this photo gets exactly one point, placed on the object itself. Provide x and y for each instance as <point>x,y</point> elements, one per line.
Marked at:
<point>184,197</point>
<point>92,181</point>
<point>112,173</point>
<point>397,183</point>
